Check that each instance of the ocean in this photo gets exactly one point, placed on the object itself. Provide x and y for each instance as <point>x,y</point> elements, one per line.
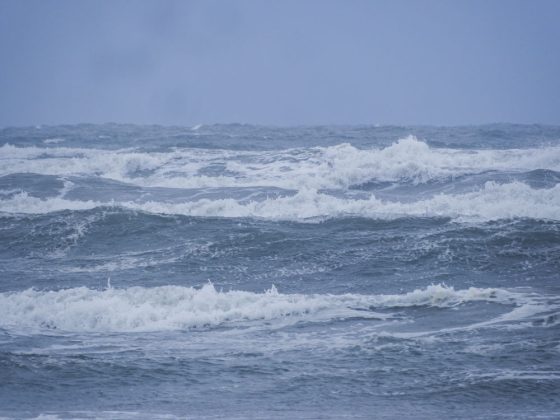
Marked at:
<point>238,271</point>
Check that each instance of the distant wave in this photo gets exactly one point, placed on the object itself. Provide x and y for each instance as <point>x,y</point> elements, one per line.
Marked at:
<point>340,166</point>
<point>493,201</point>
<point>175,307</point>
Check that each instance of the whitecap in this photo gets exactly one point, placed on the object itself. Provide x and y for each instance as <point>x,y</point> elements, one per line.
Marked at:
<point>141,309</point>
<point>494,201</point>
<point>335,167</point>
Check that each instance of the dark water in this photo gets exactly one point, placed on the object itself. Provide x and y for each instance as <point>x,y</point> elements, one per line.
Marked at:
<point>250,272</point>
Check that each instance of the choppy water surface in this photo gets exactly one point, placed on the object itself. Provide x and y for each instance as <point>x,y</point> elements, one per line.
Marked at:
<point>248,272</point>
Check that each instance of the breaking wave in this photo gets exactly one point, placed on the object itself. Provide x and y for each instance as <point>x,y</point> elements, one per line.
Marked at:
<point>494,201</point>
<point>338,166</point>
<point>138,309</point>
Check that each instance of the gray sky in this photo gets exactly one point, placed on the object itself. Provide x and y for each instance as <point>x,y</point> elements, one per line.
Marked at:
<point>279,62</point>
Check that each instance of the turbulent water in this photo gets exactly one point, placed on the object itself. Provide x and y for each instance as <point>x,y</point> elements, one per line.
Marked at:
<point>237,271</point>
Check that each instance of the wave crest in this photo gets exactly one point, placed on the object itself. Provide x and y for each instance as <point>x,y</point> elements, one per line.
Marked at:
<point>339,166</point>
<point>493,201</point>
<point>138,309</point>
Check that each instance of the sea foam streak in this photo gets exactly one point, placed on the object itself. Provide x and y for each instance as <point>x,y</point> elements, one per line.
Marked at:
<point>338,166</point>
<point>176,307</point>
<point>493,201</point>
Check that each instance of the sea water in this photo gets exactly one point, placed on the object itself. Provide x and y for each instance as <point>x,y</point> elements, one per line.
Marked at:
<point>236,271</point>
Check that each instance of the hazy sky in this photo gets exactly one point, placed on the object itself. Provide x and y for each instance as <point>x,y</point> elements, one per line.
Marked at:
<point>279,62</point>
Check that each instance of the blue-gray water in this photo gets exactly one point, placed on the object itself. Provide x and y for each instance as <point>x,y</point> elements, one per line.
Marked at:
<point>238,271</point>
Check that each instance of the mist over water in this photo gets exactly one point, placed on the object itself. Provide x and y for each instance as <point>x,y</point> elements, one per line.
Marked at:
<point>238,271</point>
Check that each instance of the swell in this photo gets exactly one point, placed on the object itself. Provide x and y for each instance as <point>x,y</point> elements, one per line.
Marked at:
<point>123,243</point>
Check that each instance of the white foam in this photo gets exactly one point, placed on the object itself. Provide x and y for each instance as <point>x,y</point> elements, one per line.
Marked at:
<point>492,202</point>
<point>24,203</point>
<point>176,308</point>
<point>10,191</point>
<point>338,166</point>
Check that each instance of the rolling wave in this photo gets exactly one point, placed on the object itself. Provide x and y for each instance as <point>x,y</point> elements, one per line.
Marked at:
<point>494,201</point>
<point>340,166</point>
<point>140,309</point>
